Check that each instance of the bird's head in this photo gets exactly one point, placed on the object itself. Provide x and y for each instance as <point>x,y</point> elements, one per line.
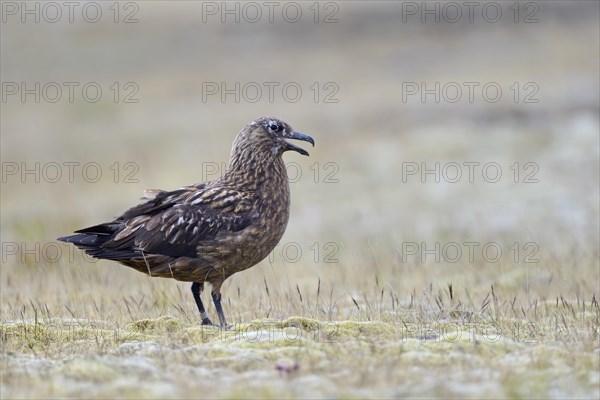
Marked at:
<point>271,135</point>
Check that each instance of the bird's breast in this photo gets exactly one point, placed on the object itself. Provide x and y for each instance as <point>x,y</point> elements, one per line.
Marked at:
<point>242,249</point>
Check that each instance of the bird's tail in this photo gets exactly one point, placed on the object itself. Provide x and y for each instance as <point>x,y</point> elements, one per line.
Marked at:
<point>91,239</point>
<point>85,239</point>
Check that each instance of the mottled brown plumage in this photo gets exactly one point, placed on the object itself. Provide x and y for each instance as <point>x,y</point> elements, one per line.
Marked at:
<point>207,232</point>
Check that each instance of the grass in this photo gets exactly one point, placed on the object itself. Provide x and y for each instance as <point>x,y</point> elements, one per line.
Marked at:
<point>300,340</point>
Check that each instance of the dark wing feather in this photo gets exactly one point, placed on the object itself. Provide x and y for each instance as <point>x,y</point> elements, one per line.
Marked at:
<point>176,231</point>
<point>167,225</point>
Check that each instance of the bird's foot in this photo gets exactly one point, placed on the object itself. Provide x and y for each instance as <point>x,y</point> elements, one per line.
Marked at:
<point>208,322</point>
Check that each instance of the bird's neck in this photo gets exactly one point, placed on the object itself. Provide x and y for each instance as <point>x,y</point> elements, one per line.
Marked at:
<point>254,170</point>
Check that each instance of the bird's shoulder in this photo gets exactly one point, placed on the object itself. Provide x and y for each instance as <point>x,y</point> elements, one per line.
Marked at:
<point>212,198</point>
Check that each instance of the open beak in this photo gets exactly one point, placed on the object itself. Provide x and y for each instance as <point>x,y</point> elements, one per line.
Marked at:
<point>299,136</point>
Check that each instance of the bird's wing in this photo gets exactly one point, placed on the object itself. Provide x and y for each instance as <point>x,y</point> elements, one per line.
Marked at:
<point>174,223</point>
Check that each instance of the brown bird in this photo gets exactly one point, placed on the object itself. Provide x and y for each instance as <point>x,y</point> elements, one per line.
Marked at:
<point>209,231</point>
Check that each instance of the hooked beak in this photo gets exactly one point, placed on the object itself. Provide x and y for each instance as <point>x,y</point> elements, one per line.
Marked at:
<point>299,136</point>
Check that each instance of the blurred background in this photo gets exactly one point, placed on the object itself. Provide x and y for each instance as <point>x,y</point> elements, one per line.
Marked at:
<point>436,125</point>
<point>454,185</point>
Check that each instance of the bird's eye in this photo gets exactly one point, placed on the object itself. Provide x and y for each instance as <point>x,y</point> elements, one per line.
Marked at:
<point>274,127</point>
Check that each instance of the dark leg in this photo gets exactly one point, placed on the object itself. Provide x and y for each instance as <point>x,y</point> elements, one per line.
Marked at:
<point>216,296</point>
<point>196,290</point>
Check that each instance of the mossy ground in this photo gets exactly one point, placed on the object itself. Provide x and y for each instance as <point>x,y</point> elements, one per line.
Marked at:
<point>299,357</point>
